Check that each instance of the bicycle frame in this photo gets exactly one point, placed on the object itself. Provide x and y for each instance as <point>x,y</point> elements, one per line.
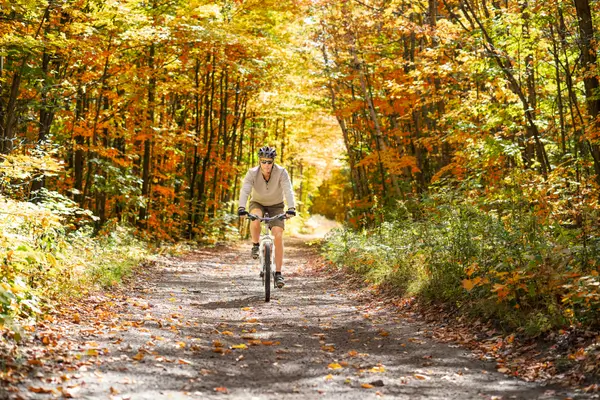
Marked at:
<point>266,250</point>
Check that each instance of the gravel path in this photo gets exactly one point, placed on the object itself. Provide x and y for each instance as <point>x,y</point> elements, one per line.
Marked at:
<point>198,327</point>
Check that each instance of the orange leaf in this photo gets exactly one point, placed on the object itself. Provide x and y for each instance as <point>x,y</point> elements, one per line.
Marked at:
<point>221,390</point>
<point>39,389</point>
<point>366,386</point>
<point>468,284</point>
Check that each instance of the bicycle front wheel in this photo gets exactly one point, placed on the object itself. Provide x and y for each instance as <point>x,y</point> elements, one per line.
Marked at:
<point>267,273</point>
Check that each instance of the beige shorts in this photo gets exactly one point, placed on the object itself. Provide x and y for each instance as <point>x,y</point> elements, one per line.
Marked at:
<point>273,210</point>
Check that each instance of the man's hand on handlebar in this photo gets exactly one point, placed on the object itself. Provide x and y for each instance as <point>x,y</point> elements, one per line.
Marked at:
<point>242,211</point>
<point>291,212</point>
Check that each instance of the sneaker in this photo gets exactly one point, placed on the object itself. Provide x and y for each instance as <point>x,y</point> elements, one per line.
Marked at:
<point>279,280</point>
<point>255,251</point>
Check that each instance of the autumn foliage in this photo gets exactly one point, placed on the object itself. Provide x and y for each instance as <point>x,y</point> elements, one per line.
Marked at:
<point>471,129</point>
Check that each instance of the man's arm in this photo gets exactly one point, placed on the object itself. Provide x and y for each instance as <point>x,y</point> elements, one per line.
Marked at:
<point>246,189</point>
<point>288,190</point>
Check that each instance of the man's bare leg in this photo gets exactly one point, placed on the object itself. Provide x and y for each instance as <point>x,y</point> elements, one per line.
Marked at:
<point>255,226</point>
<point>278,235</point>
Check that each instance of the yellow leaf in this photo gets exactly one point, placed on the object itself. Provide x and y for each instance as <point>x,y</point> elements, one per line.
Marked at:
<point>329,377</point>
<point>334,366</point>
<point>227,333</point>
<point>114,390</point>
<point>378,368</point>
<point>247,309</point>
<point>92,352</point>
<point>330,348</point>
<point>138,357</point>
<point>51,260</point>
<point>239,346</point>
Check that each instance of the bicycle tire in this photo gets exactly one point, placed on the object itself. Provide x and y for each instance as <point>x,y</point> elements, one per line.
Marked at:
<point>267,273</point>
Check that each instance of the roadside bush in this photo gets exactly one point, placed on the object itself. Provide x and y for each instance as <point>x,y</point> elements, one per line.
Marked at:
<point>47,258</point>
<point>510,266</point>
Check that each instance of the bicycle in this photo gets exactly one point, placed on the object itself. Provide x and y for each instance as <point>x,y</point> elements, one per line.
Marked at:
<point>266,251</point>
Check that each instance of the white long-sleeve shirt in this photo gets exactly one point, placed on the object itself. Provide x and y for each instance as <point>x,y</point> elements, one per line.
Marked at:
<point>267,193</point>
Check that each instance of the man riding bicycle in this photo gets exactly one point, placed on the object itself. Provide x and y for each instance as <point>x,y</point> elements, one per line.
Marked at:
<point>268,183</point>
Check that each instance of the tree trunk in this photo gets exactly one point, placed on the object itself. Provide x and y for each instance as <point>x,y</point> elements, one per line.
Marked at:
<point>146,173</point>
<point>590,78</point>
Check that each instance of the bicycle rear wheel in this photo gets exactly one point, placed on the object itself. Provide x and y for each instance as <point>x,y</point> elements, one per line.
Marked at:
<point>267,273</point>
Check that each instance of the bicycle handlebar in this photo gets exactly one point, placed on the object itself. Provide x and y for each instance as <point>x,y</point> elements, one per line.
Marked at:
<point>253,217</point>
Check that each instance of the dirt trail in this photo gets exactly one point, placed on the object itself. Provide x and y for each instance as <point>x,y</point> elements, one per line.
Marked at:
<point>198,327</point>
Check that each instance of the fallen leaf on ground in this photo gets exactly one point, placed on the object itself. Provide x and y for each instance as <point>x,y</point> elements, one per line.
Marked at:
<point>334,366</point>
<point>221,390</point>
<point>366,386</point>
<point>379,368</point>
<point>40,389</point>
<point>70,393</point>
<point>239,346</point>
